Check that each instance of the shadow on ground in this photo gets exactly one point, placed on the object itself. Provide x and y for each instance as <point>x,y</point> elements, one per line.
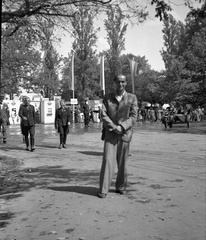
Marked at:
<point>77,189</point>
<point>92,153</point>
<point>45,176</point>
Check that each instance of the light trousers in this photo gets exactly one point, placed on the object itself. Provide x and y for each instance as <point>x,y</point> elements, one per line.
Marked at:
<point>115,151</point>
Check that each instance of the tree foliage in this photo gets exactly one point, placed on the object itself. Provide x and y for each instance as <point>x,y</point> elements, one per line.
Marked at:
<point>185,59</point>
<point>116,29</point>
<point>48,80</point>
<point>86,72</point>
<point>20,62</point>
<point>22,38</point>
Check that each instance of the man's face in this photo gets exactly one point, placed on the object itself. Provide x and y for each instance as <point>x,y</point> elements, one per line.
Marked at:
<point>62,103</point>
<point>26,101</point>
<point>120,83</point>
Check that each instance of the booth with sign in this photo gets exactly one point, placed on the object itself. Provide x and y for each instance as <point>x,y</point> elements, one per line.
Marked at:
<point>13,106</point>
<point>47,111</point>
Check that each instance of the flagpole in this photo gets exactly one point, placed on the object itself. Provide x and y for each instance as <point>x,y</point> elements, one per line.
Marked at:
<point>133,68</point>
<point>131,63</point>
<point>102,78</point>
<point>72,86</point>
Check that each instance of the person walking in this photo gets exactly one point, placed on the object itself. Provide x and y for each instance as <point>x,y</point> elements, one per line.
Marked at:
<point>85,108</point>
<point>4,118</point>
<point>91,115</point>
<point>99,114</point>
<point>62,122</point>
<point>28,121</point>
<point>119,113</point>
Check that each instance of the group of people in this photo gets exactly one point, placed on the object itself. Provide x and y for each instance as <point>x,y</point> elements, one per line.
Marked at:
<point>154,114</point>
<point>85,114</point>
<point>118,113</point>
<point>149,114</point>
<point>196,114</point>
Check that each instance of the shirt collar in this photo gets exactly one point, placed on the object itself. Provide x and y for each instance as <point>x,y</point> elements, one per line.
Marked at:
<point>119,97</point>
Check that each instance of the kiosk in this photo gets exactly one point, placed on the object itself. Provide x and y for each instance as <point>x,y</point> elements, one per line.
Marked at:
<point>47,111</point>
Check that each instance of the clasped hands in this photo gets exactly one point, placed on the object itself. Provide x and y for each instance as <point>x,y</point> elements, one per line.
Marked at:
<point>119,129</point>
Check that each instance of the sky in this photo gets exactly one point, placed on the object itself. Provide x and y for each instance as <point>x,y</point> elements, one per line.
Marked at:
<point>145,39</point>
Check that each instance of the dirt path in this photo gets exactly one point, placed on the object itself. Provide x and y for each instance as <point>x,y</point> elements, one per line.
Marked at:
<point>54,193</point>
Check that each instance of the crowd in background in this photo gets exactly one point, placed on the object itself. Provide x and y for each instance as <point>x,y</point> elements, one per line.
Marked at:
<point>145,114</point>
<point>154,114</point>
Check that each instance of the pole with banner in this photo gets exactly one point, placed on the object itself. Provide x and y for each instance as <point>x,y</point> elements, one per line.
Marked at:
<point>133,68</point>
<point>72,84</point>
<point>102,78</point>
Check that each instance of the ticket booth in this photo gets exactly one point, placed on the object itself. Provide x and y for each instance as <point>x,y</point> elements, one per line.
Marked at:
<point>47,111</point>
<point>13,106</point>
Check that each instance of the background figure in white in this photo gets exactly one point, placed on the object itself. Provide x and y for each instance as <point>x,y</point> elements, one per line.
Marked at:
<point>199,114</point>
<point>13,116</point>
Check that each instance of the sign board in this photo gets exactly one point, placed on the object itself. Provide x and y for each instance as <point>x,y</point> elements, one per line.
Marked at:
<point>74,101</point>
<point>47,111</point>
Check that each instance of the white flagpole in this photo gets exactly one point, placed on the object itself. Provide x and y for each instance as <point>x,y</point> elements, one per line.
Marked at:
<point>72,85</point>
<point>133,68</point>
<point>102,78</point>
<point>131,62</point>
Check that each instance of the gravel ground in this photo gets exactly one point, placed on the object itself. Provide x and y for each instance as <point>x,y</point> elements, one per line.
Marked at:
<point>51,194</point>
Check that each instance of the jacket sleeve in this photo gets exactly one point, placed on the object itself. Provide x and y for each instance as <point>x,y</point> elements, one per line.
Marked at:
<point>55,119</point>
<point>20,112</point>
<point>34,114</point>
<point>69,115</point>
<point>107,121</point>
<point>129,122</point>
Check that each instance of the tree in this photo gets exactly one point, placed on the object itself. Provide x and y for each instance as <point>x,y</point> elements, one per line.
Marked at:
<point>173,32</point>
<point>48,79</point>
<point>24,16</point>
<point>20,62</point>
<point>26,13</point>
<point>116,29</point>
<point>86,71</point>
<point>185,59</point>
<point>19,13</point>
<point>194,84</point>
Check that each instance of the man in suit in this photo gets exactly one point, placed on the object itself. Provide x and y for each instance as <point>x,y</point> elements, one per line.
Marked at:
<point>62,122</point>
<point>86,114</point>
<point>119,113</point>
<point>27,115</point>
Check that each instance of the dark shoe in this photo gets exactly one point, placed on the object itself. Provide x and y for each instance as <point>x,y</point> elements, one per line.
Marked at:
<point>122,192</point>
<point>27,148</point>
<point>32,149</point>
<point>60,146</point>
<point>64,146</point>
<point>4,141</point>
<point>102,195</point>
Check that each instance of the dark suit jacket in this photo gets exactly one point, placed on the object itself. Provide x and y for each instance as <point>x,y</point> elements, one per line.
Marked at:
<point>85,108</point>
<point>122,113</point>
<point>29,113</point>
<point>62,117</point>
